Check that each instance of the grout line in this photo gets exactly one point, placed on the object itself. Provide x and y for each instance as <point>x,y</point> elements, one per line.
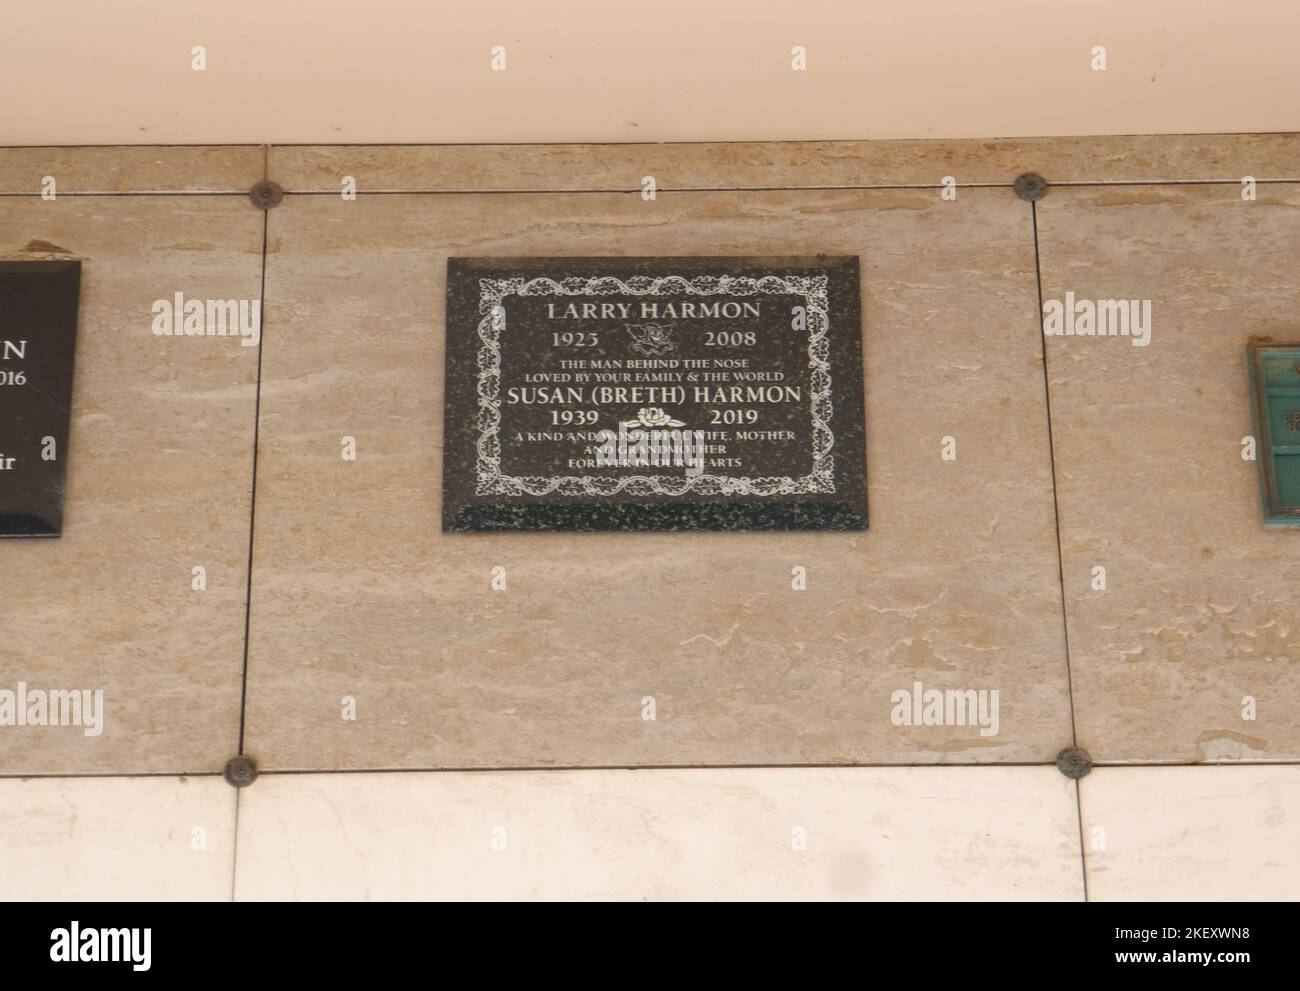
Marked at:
<point>252,508</point>
<point>1051,455</point>
<point>1073,184</point>
<point>137,192</point>
<point>626,143</point>
<point>480,769</point>
<point>78,775</point>
<point>1083,845</point>
<point>225,144</point>
<point>234,852</point>
<point>828,187</point>
<point>1169,182</point>
<point>252,521</point>
<point>1060,556</point>
<point>271,772</point>
<point>659,189</point>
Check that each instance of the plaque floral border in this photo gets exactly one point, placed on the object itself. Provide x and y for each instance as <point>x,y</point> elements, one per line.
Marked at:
<point>492,293</point>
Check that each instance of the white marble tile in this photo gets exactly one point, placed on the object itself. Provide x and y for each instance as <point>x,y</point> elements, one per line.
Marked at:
<point>116,839</point>
<point>867,833</point>
<point>1192,833</point>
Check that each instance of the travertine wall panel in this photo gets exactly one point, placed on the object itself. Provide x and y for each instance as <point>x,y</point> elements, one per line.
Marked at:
<point>1199,610</point>
<point>358,594</point>
<point>159,482</point>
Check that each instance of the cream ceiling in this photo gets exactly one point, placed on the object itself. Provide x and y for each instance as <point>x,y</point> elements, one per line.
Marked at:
<point>85,72</point>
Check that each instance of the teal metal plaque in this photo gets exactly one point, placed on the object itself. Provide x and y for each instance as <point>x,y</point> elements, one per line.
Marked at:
<point>1275,404</point>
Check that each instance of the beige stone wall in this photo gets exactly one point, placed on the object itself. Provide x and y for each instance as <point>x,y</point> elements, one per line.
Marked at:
<point>975,574</point>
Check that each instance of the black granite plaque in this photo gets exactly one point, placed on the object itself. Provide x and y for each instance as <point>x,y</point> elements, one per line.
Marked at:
<point>689,393</point>
<point>38,336</point>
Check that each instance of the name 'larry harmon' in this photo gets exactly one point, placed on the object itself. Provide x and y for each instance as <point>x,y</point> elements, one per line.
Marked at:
<point>680,310</point>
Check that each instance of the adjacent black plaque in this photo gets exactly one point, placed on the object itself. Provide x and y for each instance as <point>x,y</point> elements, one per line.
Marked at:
<point>38,337</point>
<point>685,393</point>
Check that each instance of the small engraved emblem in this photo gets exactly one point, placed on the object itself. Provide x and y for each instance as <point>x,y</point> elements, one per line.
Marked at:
<point>651,338</point>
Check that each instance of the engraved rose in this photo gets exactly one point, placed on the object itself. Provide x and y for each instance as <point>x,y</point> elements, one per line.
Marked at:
<point>653,416</point>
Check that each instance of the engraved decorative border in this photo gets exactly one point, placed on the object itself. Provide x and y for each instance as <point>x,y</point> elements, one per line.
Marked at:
<point>492,292</point>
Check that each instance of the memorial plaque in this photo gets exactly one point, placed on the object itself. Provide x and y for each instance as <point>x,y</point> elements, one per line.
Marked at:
<point>689,393</point>
<point>38,336</point>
